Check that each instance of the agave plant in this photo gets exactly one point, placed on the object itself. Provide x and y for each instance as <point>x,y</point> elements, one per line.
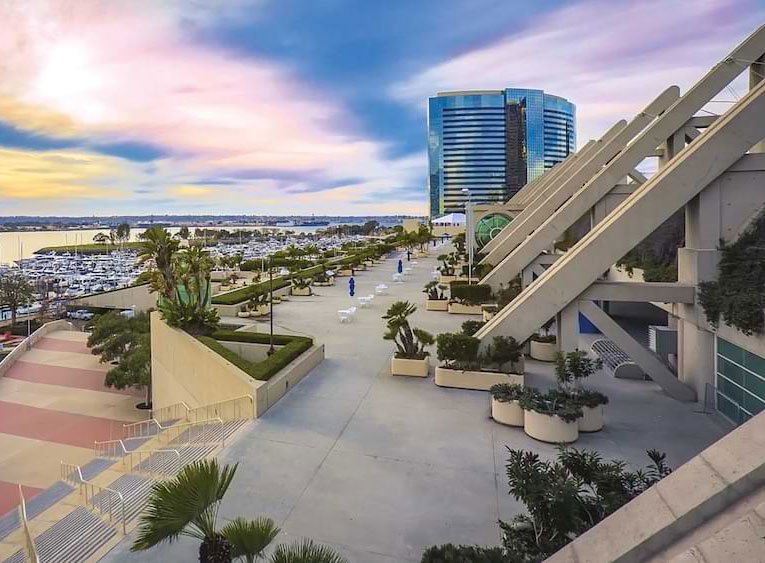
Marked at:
<point>410,342</point>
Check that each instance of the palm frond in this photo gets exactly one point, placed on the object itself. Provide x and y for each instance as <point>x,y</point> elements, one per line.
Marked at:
<point>306,551</point>
<point>248,538</point>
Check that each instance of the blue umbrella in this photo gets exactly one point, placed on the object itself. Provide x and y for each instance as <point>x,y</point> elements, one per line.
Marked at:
<point>352,287</point>
<point>400,266</point>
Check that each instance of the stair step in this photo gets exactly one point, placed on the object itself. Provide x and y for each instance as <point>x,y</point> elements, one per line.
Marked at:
<point>35,506</point>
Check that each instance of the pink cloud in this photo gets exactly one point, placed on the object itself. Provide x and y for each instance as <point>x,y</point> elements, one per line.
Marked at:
<point>117,72</point>
<point>609,58</point>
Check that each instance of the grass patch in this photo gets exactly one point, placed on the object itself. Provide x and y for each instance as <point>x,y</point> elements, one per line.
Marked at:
<point>90,248</point>
<point>290,348</point>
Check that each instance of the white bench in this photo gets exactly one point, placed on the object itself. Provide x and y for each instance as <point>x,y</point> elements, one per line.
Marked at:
<point>366,301</point>
<point>381,289</point>
<point>346,315</point>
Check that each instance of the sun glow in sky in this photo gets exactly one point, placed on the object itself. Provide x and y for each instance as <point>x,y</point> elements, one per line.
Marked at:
<point>266,107</point>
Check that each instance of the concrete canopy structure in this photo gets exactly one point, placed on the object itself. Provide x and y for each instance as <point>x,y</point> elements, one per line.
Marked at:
<point>712,178</point>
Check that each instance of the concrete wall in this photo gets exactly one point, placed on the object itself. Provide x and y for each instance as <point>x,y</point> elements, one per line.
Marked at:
<point>412,225</point>
<point>249,351</point>
<point>138,295</point>
<point>184,369</point>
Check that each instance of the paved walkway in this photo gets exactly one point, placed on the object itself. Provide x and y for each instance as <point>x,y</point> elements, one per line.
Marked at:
<point>53,406</point>
<point>382,467</point>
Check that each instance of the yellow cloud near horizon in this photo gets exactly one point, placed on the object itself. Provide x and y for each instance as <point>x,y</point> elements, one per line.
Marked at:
<point>192,191</point>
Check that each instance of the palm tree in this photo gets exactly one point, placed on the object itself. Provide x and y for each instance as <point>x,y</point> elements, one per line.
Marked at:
<point>159,248</point>
<point>188,506</point>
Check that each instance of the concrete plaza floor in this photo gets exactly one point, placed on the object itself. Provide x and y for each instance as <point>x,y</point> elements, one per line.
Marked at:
<point>381,467</point>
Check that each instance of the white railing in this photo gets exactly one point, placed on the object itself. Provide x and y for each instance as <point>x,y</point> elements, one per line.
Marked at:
<point>178,411</point>
<point>196,432</point>
<point>110,449</point>
<point>230,409</point>
<point>151,461</point>
<point>141,428</point>
<point>109,501</point>
<point>28,541</point>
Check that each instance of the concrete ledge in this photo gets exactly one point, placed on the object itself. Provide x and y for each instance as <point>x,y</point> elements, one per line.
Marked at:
<point>475,380</point>
<point>706,486</point>
<point>275,388</point>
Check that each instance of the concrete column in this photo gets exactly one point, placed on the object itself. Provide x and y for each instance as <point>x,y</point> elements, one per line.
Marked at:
<point>527,276</point>
<point>568,327</point>
<point>756,74</point>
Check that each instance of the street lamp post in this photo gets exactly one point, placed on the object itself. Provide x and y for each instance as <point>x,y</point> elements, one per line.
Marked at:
<point>271,350</point>
<point>469,233</point>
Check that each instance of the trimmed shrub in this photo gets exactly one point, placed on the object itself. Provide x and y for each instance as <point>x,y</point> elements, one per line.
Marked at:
<point>458,351</point>
<point>474,294</point>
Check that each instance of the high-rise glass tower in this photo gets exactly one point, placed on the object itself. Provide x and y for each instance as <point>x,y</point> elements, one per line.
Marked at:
<point>493,142</point>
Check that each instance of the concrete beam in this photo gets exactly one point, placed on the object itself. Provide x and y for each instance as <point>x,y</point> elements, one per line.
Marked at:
<point>553,182</point>
<point>646,359</point>
<point>639,215</point>
<point>701,121</point>
<point>526,223</point>
<point>640,292</point>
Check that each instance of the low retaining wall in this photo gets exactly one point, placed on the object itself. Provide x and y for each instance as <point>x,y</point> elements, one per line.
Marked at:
<point>30,341</point>
<point>232,310</point>
<point>184,369</point>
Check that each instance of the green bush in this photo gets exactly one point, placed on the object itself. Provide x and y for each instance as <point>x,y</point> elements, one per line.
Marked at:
<point>451,553</point>
<point>458,351</point>
<point>247,293</point>
<point>290,348</point>
<point>471,294</point>
<point>553,403</point>
<point>469,328</point>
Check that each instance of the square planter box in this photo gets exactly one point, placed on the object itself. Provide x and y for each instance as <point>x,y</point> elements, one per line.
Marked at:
<point>550,429</point>
<point>325,284</point>
<point>476,380</point>
<point>460,309</point>
<point>301,291</point>
<point>344,273</point>
<point>436,305</point>
<point>412,368</point>
<point>543,351</point>
<point>447,279</point>
<point>593,420</point>
<point>508,412</point>
<point>368,263</point>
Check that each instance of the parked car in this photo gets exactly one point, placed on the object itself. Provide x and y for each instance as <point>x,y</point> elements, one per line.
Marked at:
<point>80,314</point>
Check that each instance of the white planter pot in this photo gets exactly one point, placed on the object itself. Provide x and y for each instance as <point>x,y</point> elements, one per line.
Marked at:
<point>243,314</point>
<point>412,368</point>
<point>476,380</point>
<point>509,413</point>
<point>344,273</point>
<point>551,429</point>
<point>460,309</point>
<point>301,291</point>
<point>436,305</point>
<point>544,351</point>
<point>593,419</point>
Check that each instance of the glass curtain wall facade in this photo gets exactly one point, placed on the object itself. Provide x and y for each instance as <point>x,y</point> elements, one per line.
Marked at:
<point>493,143</point>
<point>740,384</point>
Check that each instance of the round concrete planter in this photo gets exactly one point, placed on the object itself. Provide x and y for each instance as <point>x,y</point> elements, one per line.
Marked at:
<point>460,309</point>
<point>243,314</point>
<point>544,351</point>
<point>436,305</point>
<point>475,380</point>
<point>509,412</point>
<point>412,368</point>
<point>260,311</point>
<point>593,419</point>
<point>301,291</point>
<point>551,429</point>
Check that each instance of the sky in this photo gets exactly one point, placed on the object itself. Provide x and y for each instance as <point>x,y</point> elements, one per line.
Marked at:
<point>273,107</point>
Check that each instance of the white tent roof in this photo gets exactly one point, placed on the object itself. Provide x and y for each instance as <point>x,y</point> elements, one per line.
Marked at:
<point>450,219</point>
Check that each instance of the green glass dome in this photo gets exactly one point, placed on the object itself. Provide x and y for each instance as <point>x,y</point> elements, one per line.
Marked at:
<point>489,226</point>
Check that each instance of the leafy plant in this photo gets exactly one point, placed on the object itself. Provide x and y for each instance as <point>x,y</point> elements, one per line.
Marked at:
<point>446,268</point>
<point>410,342</point>
<point>450,553</point>
<point>458,351</point>
<point>501,351</point>
<point>434,291</point>
<point>471,327</point>
<point>471,294</point>
<point>544,338</point>
<point>15,292</point>
<point>572,367</point>
<point>589,398</point>
<point>505,392</point>
<point>506,293</point>
<point>553,403</point>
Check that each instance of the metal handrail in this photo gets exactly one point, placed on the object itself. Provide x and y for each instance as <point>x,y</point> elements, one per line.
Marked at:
<point>109,448</point>
<point>136,429</point>
<point>178,429</point>
<point>154,464</point>
<point>240,407</point>
<point>170,412</point>
<point>30,544</point>
<point>72,473</point>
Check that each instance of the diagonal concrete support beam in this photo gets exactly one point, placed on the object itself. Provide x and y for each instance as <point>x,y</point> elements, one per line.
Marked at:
<point>637,176</point>
<point>532,217</point>
<point>647,361</point>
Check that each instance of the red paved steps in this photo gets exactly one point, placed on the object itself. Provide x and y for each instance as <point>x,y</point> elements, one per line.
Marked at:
<point>66,377</point>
